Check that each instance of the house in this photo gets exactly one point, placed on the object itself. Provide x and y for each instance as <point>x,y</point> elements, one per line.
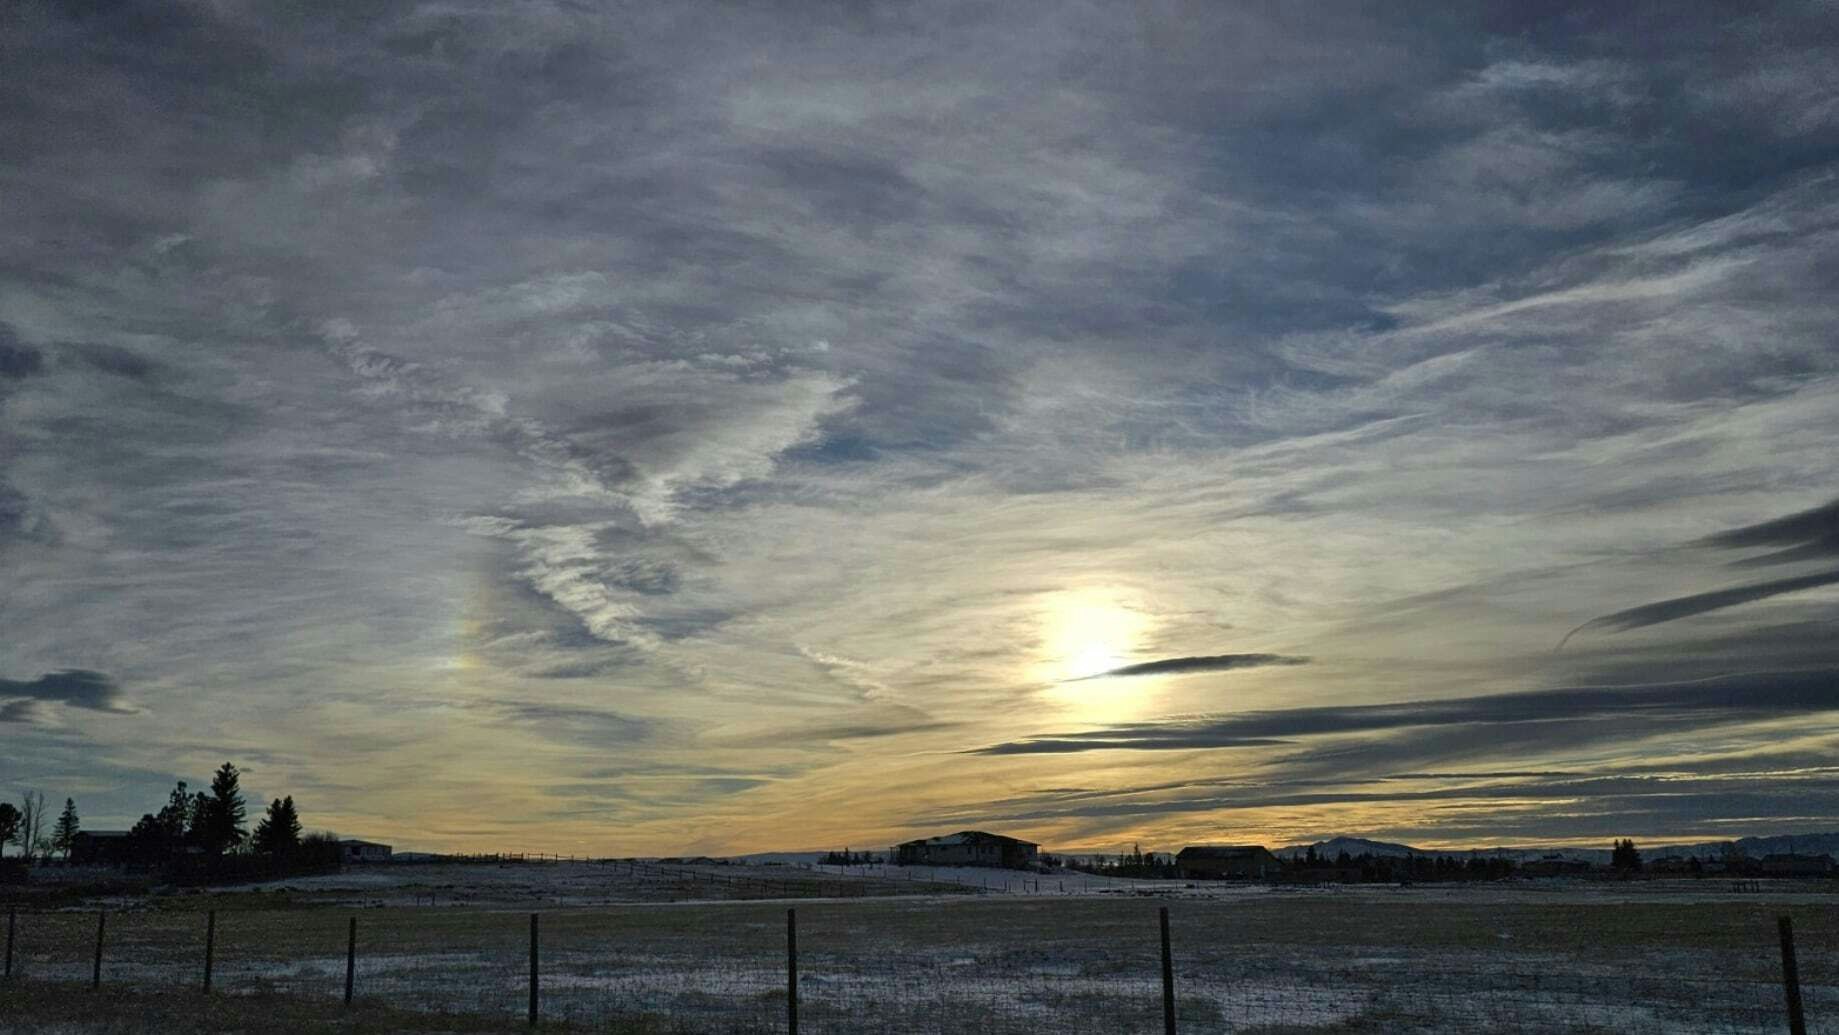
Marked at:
<point>353,850</point>
<point>967,848</point>
<point>1226,862</point>
<point>1790,865</point>
<point>101,848</point>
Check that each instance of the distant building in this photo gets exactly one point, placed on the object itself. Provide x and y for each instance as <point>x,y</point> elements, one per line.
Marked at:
<point>1556,866</point>
<point>101,848</point>
<point>967,848</point>
<point>1226,862</point>
<point>1789,865</point>
<point>1324,873</point>
<point>353,850</point>
<point>1674,866</point>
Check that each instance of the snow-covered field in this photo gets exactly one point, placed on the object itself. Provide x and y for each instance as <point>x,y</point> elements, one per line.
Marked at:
<point>958,954</point>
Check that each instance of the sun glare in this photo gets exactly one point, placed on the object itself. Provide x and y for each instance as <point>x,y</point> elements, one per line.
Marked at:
<point>1084,636</point>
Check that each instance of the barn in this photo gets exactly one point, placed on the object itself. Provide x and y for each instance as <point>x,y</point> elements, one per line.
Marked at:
<point>1226,862</point>
<point>968,848</point>
<point>353,850</point>
<point>101,848</point>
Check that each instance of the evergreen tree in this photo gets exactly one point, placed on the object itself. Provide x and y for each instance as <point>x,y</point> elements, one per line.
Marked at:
<point>64,834</point>
<point>9,824</point>
<point>278,833</point>
<point>1624,857</point>
<point>223,812</point>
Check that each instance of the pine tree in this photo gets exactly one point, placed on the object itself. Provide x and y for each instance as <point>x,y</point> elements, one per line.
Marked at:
<point>223,812</point>
<point>64,834</point>
<point>278,833</point>
<point>1624,857</point>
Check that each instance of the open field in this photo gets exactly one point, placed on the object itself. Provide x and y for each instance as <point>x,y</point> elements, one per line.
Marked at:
<point>1521,956</point>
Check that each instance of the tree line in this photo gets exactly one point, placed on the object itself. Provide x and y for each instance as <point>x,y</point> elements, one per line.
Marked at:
<point>24,825</point>
<point>203,832</point>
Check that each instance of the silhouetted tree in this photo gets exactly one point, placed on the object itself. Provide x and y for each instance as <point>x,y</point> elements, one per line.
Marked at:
<point>31,823</point>
<point>197,819</point>
<point>222,813</point>
<point>1624,857</point>
<point>64,835</point>
<point>175,818</point>
<point>278,833</point>
<point>9,824</point>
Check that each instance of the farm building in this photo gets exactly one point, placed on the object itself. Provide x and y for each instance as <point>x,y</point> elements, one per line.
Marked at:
<point>1556,866</point>
<point>101,848</point>
<point>1226,862</point>
<point>353,850</point>
<point>967,848</point>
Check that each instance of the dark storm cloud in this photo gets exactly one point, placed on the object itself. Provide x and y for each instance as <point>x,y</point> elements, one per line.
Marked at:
<point>1706,702</point>
<point>72,687</point>
<point>1199,663</point>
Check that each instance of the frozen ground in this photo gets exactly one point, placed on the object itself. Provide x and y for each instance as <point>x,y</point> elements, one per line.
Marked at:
<point>1687,956</point>
<point>537,885</point>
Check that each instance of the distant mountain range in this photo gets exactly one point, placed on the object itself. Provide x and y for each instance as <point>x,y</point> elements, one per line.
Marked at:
<point>1754,847</point>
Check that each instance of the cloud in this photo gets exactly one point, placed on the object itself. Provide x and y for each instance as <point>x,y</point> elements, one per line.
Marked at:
<point>1203,663</point>
<point>1703,702</point>
<point>1700,603</point>
<point>592,727</point>
<point>742,378</point>
<point>17,359</point>
<point>1807,535</point>
<point>71,687</point>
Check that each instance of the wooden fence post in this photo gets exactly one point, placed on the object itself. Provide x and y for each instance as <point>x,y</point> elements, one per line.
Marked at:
<point>210,946</point>
<point>1168,978</point>
<point>1791,979</point>
<point>351,957</point>
<point>791,972</point>
<point>533,970</point>
<point>95,978</point>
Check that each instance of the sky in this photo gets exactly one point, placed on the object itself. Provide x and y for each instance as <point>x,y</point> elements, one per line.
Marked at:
<point>721,427</point>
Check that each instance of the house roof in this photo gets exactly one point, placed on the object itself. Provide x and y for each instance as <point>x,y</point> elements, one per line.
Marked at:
<point>968,837</point>
<point>1221,852</point>
<point>103,834</point>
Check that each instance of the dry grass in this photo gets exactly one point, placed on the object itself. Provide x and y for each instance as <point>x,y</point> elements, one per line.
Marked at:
<point>1302,961</point>
<point>73,1009</point>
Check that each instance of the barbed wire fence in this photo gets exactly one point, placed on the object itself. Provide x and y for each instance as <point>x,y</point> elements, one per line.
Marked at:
<point>828,967</point>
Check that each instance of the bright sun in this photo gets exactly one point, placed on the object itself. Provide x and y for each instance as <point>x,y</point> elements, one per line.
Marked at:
<point>1086,634</point>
